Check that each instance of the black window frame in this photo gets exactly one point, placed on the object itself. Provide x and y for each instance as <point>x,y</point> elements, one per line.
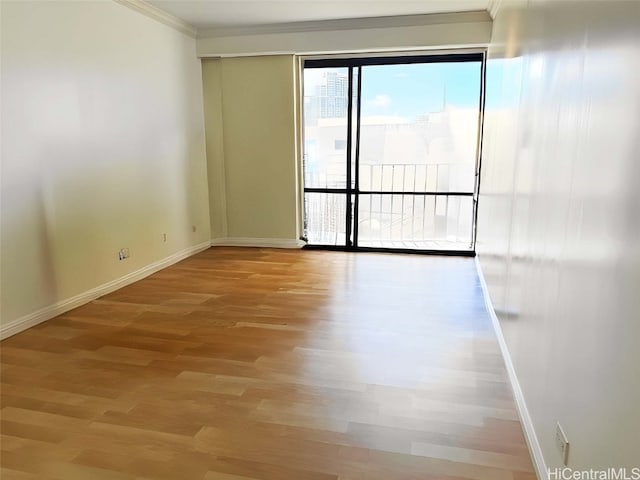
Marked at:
<point>354,192</point>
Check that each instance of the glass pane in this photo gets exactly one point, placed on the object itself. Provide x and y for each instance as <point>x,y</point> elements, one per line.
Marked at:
<point>325,218</point>
<point>419,127</point>
<point>420,222</point>
<point>326,93</point>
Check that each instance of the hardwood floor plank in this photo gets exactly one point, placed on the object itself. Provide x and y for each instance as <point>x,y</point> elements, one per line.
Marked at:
<point>9,474</point>
<point>266,364</point>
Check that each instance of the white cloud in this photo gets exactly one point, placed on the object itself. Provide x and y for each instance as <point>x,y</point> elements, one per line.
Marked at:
<point>380,101</point>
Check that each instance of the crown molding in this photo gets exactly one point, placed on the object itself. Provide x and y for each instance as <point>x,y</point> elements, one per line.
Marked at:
<point>347,24</point>
<point>493,7</point>
<point>160,15</point>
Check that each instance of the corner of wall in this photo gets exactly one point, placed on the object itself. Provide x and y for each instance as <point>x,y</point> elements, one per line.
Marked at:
<point>521,405</point>
<point>27,321</point>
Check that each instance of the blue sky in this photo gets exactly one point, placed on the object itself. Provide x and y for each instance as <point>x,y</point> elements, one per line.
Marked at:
<point>414,89</point>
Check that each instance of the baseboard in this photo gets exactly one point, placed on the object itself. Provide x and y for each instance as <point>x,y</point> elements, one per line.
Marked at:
<point>521,405</point>
<point>257,242</point>
<point>58,308</point>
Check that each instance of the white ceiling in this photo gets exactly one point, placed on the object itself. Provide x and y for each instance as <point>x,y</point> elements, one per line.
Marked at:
<point>242,13</point>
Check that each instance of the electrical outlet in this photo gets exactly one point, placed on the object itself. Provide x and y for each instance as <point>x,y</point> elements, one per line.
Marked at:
<point>562,444</point>
<point>164,237</point>
<point>123,253</point>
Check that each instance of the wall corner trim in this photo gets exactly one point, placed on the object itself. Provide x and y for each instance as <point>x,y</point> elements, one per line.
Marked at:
<point>523,412</point>
<point>257,242</point>
<point>160,15</point>
<point>58,308</point>
<point>494,6</point>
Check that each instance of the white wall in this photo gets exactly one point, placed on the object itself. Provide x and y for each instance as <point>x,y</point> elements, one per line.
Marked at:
<point>559,219</point>
<point>102,148</point>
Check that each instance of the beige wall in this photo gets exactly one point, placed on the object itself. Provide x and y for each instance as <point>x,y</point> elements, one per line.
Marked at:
<point>559,224</point>
<point>102,148</point>
<point>252,101</point>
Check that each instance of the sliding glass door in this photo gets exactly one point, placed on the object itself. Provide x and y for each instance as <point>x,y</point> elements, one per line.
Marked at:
<point>328,159</point>
<point>391,152</point>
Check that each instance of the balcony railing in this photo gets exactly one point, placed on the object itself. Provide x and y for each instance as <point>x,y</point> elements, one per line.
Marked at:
<point>399,206</point>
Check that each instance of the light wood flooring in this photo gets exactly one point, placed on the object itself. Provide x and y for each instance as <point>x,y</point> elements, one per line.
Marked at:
<point>265,364</point>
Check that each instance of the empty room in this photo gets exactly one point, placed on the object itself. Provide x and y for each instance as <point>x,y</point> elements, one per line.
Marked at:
<point>317,239</point>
